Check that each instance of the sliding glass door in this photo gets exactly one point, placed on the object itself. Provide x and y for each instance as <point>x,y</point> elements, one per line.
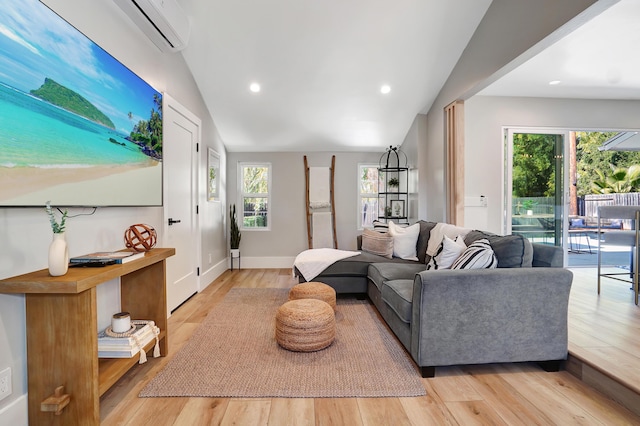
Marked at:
<point>535,185</point>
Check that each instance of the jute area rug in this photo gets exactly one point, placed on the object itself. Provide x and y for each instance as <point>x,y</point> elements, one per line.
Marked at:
<point>233,353</point>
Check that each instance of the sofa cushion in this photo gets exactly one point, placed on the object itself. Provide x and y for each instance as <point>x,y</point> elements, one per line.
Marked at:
<point>379,273</point>
<point>380,243</point>
<point>478,255</point>
<point>405,240</point>
<point>397,294</point>
<point>512,251</point>
<point>358,266</point>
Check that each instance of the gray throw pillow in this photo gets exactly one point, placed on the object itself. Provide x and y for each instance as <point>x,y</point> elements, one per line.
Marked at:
<point>512,251</point>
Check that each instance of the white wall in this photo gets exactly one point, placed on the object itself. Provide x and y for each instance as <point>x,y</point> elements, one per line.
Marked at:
<point>26,234</point>
<point>485,119</point>
<point>288,234</point>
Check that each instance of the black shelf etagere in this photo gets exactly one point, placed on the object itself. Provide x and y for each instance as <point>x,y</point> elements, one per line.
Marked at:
<point>393,186</point>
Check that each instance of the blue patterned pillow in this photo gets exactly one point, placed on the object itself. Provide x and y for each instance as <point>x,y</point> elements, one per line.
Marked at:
<point>479,255</point>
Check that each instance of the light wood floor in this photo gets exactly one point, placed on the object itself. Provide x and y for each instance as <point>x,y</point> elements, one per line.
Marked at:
<point>604,328</point>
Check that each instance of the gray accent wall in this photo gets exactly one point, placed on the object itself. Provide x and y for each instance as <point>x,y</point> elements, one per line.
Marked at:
<point>287,237</point>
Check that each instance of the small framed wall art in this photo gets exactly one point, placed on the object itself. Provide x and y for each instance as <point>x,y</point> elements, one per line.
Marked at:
<point>397,208</point>
<point>213,176</point>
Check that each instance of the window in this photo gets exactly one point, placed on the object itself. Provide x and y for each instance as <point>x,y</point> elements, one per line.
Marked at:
<point>255,190</point>
<point>367,195</point>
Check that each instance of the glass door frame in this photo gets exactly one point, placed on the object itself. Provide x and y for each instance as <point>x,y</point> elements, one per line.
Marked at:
<point>507,188</point>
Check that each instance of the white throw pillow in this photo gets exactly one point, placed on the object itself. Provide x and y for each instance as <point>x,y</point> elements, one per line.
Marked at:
<point>447,253</point>
<point>405,240</point>
<point>479,255</point>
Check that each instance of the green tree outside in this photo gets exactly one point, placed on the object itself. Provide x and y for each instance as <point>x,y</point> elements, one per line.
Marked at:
<point>597,171</point>
<point>594,166</point>
<point>533,165</point>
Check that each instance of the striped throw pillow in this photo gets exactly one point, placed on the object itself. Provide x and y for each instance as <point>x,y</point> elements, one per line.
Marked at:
<point>380,226</point>
<point>479,255</point>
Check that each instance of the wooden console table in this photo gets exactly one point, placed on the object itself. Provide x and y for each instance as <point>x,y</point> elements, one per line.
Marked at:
<point>62,338</point>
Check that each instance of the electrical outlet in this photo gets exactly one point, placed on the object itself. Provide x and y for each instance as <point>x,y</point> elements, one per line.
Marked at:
<point>5,383</point>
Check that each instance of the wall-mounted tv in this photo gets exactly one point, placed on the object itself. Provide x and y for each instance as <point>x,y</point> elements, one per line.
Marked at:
<point>77,127</point>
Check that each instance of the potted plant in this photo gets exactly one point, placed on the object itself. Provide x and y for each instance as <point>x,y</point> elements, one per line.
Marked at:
<point>393,183</point>
<point>235,232</point>
<point>529,205</point>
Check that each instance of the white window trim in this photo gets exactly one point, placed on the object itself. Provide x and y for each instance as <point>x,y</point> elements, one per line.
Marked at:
<point>360,194</point>
<point>242,195</point>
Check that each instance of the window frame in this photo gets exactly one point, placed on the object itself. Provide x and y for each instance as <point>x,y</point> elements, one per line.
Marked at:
<point>361,195</point>
<point>242,195</point>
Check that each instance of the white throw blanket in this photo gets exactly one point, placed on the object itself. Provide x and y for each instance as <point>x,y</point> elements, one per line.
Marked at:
<point>312,262</point>
<point>439,231</point>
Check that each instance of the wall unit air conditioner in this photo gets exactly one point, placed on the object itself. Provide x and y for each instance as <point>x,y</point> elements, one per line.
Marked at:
<point>163,21</point>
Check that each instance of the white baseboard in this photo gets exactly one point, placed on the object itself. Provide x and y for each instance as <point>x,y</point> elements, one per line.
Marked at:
<point>16,413</point>
<point>210,275</point>
<point>262,262</point>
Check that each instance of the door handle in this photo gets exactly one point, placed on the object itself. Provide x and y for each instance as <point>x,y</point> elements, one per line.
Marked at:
<point>171,221</point>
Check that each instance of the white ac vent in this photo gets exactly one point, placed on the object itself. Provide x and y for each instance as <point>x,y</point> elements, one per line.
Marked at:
<point>163,21</point>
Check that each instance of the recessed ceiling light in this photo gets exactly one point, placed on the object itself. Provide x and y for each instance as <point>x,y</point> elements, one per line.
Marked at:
<point>254,87</point>
<point>554,82</point>
<point>385,89</point>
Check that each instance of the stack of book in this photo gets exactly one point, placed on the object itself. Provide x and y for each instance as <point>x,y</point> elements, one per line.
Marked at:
<point>106,258</point>
<point>125,347</point>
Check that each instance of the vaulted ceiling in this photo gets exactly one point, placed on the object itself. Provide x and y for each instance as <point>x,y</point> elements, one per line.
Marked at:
<point>321,66</point>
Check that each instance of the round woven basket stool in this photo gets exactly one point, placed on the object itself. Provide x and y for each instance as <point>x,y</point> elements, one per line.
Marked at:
<point>305,325</point>
<point>314,290</point>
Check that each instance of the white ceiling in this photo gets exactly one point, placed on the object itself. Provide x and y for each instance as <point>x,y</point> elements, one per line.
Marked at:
<point>321,66</point>
<point>598,60</point>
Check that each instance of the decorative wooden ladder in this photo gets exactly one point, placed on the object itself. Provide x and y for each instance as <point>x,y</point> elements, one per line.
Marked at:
<point>332,206</point>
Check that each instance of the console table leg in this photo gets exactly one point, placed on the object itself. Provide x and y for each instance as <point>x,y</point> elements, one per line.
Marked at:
<point>62,346</point>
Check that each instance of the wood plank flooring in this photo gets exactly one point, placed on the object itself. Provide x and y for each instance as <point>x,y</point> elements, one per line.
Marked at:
<point>602,328</point>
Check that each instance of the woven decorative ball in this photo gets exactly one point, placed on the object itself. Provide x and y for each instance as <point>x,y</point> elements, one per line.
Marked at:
<point>140,237</point>
<point>314,290</point>
<point>305,325</point>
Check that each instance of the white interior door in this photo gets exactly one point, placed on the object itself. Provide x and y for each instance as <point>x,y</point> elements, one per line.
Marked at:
<point>181,134</point>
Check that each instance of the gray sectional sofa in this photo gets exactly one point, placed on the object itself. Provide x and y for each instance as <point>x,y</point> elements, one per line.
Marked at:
<point>514,313</point>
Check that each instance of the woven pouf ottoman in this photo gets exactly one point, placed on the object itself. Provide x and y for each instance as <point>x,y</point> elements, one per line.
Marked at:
<point>305,325</point>
<point>314,290</point>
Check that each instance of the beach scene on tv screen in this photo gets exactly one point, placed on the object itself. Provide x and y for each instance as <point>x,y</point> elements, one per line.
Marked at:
<point>76,126</point>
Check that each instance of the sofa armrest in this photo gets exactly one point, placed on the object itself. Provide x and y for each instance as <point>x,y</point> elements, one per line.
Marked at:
<point>547,256</point>
<point>490,315</point>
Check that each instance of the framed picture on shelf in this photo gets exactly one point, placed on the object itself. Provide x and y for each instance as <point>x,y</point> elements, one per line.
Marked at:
<point>213,175</point>
<point>397,208</point>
